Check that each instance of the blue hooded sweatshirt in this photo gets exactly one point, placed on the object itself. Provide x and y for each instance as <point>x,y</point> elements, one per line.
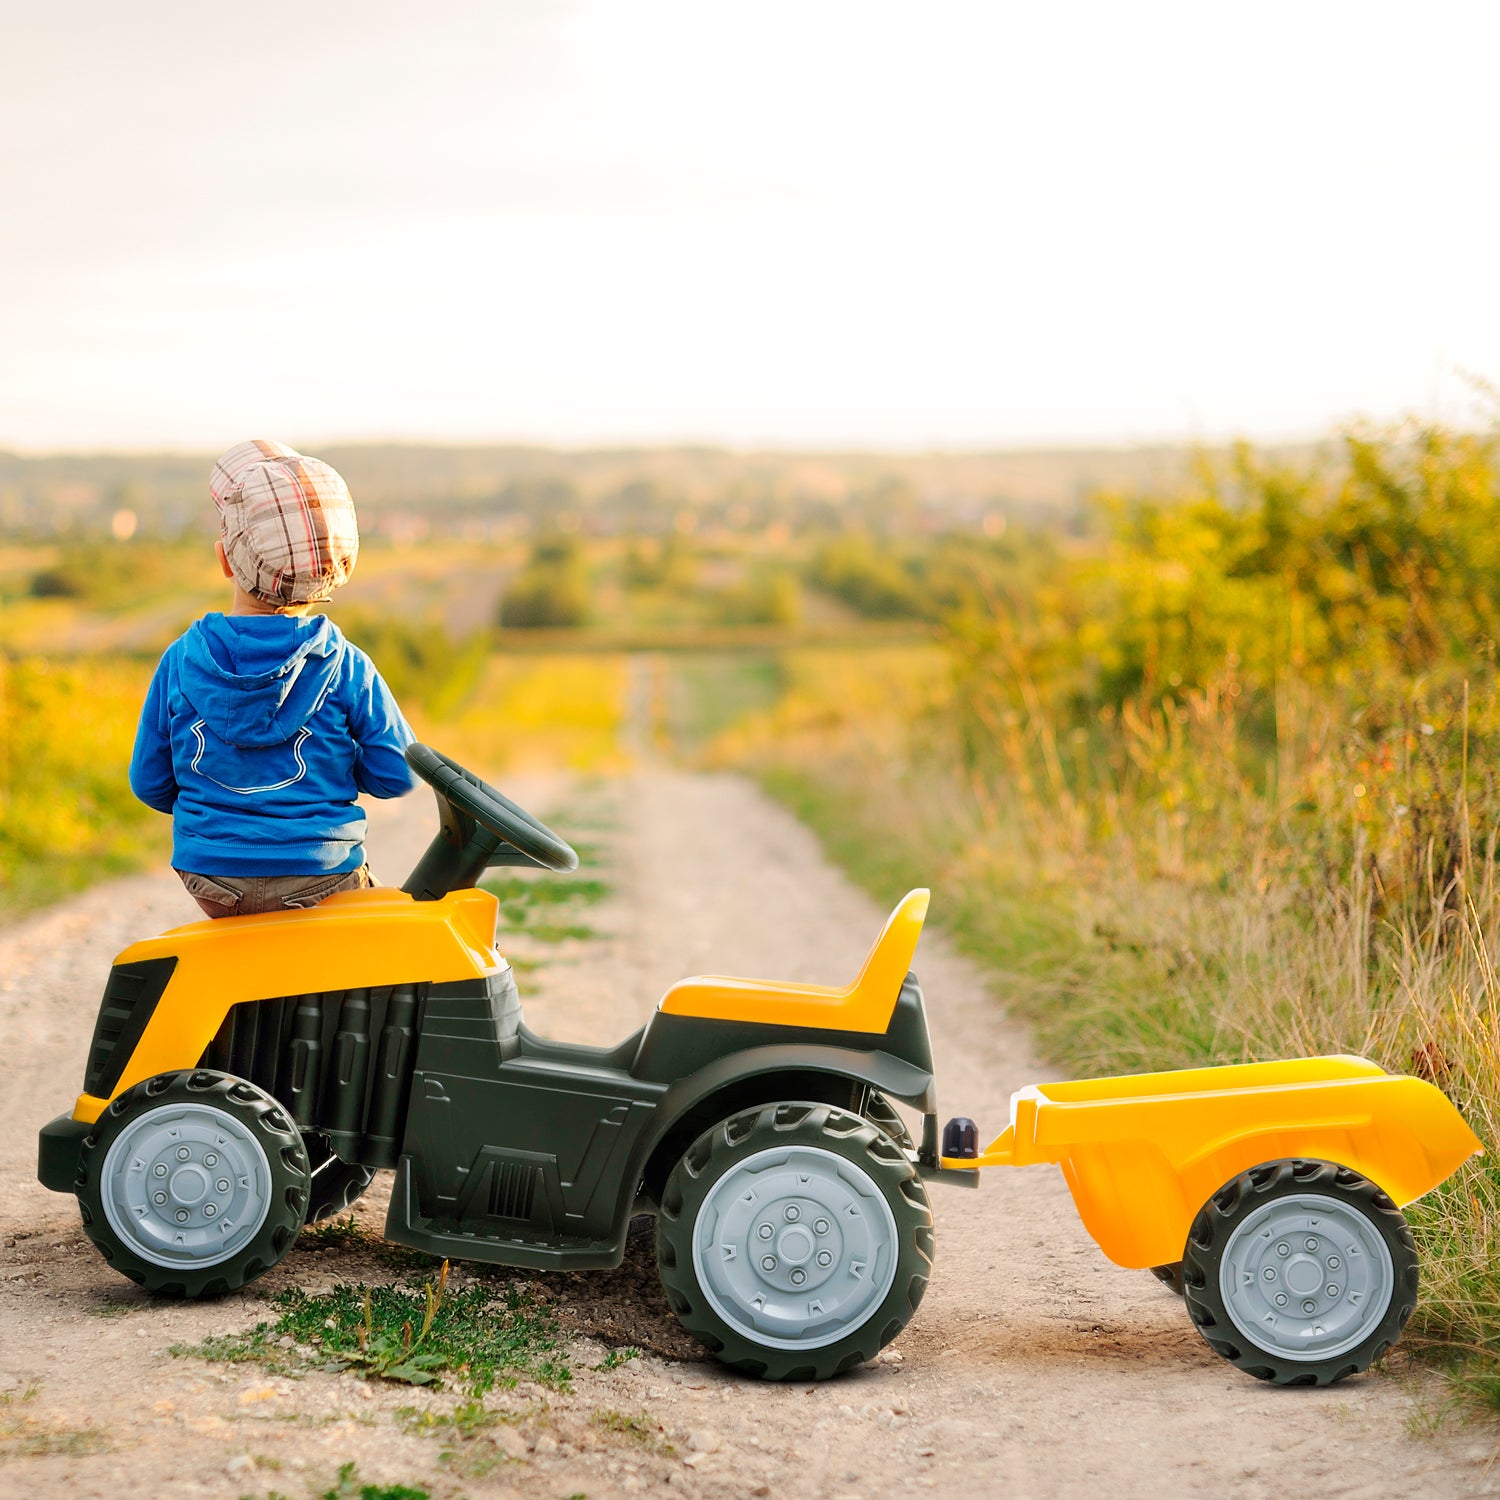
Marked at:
<point>257,734</point>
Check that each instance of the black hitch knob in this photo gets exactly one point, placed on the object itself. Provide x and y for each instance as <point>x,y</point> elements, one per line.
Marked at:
<point>960,1137</point>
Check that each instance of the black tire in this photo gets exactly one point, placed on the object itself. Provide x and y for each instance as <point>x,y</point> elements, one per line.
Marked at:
<point>848,1155</point>
<point>883,1115</point>
<point>1360,1212</point>
<point>336,1185</point>
<point>1170,1276</point>
<point>244,1160</point>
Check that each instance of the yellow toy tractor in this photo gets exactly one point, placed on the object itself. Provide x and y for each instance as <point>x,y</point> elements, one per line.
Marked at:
<point>251,1074</point>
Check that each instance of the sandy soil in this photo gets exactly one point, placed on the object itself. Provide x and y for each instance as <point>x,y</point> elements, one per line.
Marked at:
<point>1034,1367</point>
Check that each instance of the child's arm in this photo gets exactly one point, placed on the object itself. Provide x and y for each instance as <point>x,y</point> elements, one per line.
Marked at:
<point>151,776</point>
<point>381,734</point>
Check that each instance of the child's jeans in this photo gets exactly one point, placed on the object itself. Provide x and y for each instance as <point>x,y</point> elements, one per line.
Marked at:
<point>246,895</point>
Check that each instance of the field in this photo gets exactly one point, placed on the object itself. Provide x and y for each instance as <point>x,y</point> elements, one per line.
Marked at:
<point>1202,773</point>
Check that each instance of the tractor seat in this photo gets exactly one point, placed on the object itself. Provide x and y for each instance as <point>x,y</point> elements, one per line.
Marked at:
<point>865,1005</point>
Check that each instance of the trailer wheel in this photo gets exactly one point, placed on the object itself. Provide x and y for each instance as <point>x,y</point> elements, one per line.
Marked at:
<point>1300,1272</point>
<point>193,1184</point>
<point>794,1240</point>
<point>336,1185</point>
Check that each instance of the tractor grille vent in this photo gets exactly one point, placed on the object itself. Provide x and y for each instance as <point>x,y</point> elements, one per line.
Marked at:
<point>512,1188</point>
<point>130,997</point>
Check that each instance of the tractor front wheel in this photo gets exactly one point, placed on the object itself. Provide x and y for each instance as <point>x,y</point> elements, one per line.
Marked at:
<point>794,1240</point>
<point>193,1184</point>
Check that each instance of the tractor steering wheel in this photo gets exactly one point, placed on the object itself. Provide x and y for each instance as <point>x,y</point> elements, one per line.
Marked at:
<point>471,809</point>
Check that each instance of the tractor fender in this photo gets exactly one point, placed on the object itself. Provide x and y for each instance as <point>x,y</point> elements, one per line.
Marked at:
<point>761,1075</point>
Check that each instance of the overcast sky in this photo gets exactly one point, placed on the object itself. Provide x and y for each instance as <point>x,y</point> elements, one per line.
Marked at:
<point>803,223</point>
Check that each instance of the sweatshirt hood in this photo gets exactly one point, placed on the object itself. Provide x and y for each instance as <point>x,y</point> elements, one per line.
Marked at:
<point>258,679</point>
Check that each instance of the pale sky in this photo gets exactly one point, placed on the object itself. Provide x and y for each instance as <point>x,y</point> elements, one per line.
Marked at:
<point>795,223</point>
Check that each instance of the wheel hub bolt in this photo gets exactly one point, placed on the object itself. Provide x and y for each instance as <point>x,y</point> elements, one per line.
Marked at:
<point>1312,1244</point>
<point>798,1276</point>
<point>825,1257</point>
<point>183,1153</point>
<point>182,1216</point>
<point>1333,1291</point>
<point>160,1169</point>
<point>1283,1249</point>
<point>821,1226</point>
<point>209,1210</point>
<point>159,1198</point>
<point>793,1213</point>
<point>1333,1263</point>
<point>211,1160</point>
<point>1269,1273</point>
<point>765,1231</point>
<point>768,1263</point>
<point>1281,1299</point>
<point>222,1184</point>
<point>1309,1306</point>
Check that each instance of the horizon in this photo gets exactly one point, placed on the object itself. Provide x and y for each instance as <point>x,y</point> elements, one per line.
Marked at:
<point>1060,448</point>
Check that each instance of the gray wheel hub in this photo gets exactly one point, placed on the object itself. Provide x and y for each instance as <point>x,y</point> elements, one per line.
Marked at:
<point>795,1247</point>
<point>186,1185</point>
<point>1306,1277</point>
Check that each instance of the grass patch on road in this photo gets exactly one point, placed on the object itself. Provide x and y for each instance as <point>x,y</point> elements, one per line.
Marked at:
<point>479,1337</point>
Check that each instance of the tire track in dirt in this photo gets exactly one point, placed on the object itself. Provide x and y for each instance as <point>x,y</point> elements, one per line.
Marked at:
<point>1033,1368</point>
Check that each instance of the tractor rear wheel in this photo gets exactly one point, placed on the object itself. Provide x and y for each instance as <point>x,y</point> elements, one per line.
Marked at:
<point>794,1240</point>
<point>881,1113</point>
<point>193,1184</point>
<point>1300,1272</point>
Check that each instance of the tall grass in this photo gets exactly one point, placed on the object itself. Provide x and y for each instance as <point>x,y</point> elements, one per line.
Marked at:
<point>1221,788</point>
<point>67,816</point>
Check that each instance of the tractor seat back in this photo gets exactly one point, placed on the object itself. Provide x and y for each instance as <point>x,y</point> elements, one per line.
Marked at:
<point>866,1005</point>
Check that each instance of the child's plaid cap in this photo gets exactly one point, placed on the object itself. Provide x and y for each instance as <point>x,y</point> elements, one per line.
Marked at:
<point>289,528</point>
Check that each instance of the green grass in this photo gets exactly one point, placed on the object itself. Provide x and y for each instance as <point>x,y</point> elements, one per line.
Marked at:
<point>545,909</point>
<point>1120,969</point>
<point>349,1487</point>
<point>334,1234</point>
<point>643,1430</point>
<point>467,1434</point>
<point>705,694</point>
<point>24,1434</point>
<point>477,1337</point>
<point>67,816</point>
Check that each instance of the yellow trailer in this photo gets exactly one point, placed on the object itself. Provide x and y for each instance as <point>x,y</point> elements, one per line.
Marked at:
<point>1268,1193</point>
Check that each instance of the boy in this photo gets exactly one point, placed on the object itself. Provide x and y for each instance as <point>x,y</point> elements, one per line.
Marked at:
<point>261,726</point>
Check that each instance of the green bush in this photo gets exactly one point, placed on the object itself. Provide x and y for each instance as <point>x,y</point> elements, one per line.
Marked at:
<point>109,575</point>
<point>551,591</point>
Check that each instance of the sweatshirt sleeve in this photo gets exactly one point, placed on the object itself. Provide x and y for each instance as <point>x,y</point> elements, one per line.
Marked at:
<point>151,776</point>
<point>380,733</point>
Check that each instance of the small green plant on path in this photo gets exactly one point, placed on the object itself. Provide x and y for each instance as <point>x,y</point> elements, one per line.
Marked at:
<point>614,1358</point>
<point>349,1488</point>
<point>480,1335</point>
<point>643,1429</point>
<point>23,1434</point>
<point>471,1452</point>
<point>336,1233</point>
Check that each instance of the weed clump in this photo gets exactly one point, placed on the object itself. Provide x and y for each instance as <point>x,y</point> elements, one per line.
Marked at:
<point>479,1336</point>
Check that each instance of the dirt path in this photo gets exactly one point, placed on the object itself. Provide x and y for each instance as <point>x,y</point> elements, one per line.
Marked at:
<point>1034,1368</point>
